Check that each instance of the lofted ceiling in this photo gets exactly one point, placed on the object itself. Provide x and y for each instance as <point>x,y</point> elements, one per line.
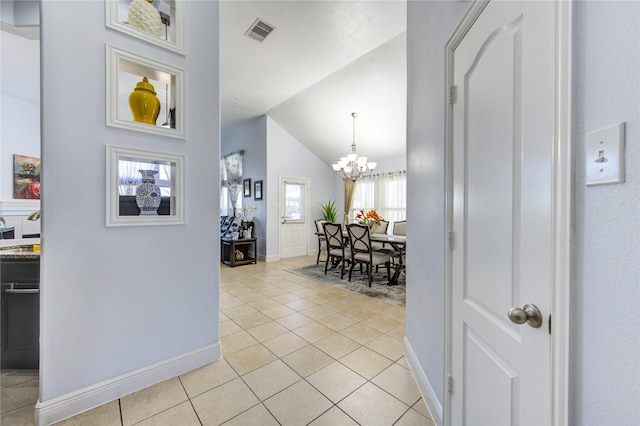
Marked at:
<point>324,60</point>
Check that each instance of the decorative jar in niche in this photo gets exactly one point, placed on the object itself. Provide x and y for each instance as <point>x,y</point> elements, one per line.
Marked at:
<point>144,104</point>
<point>144,16</point>
<point>148,194</point>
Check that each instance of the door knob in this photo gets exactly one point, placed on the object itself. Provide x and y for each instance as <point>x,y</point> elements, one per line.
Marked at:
<point>529,314</point>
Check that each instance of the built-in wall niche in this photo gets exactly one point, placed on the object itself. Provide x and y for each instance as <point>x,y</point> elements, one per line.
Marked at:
<point>164,26</point>
<point>144,187</point>
<point>129,74</point>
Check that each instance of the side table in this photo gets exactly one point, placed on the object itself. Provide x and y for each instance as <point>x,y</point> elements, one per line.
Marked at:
<point>237,252</point>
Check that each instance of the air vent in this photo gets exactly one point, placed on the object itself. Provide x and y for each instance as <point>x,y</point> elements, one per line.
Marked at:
<point>259,30</point>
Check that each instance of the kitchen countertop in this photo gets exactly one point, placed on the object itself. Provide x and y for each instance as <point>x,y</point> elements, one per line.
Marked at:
<point>9,249</point>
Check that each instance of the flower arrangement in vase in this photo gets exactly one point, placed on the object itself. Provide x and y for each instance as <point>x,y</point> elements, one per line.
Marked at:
<point>368,218</point>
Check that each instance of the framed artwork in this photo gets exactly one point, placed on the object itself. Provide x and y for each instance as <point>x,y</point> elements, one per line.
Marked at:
<point>26,177</point>
<point>246,187</point>
<point>160,22</point>
<point>257,190</point>
<point>144,187</point>
<point>144,95</point>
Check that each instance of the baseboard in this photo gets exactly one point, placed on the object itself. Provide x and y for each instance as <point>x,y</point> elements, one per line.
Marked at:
<point>71,404</point>
<point>428,394</point>
<point>272,258</point>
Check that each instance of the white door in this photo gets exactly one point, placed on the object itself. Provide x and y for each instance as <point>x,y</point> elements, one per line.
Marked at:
<point>294,224</point>
<point>503,147</point>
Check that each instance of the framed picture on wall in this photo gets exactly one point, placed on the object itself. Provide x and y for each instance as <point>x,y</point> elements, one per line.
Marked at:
<point>246,187</point>
<point>257,190</point>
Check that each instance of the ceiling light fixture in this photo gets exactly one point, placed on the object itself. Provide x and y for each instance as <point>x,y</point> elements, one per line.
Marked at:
<point>353,167</point>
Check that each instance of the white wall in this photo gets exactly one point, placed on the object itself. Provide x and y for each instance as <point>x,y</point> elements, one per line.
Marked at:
<point>251,136</point>
<point>429,25</point>
<point>605,288</point>
<point>605,292</point>
<point>122,307</point>
<point>19,122</point>
<point>289,158</point>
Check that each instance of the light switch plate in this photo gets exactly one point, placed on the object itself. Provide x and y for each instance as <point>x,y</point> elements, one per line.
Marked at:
<point>605,155</point>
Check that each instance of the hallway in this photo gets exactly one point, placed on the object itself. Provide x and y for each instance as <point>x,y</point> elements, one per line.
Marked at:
<point>296,352</point>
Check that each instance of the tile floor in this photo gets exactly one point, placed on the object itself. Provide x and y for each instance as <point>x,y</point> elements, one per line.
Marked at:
<point>296,352</point>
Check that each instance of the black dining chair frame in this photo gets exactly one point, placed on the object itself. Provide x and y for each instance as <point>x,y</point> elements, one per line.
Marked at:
<point>362,251</point>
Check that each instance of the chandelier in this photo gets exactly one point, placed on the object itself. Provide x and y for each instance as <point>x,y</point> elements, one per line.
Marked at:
<point>353,167</point>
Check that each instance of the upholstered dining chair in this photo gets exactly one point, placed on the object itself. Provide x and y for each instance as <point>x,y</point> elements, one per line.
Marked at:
<point>380,229</point>
<point>337,250</point>
<point>400,227</point>
<point>322,241</point>
<point>362,251</point>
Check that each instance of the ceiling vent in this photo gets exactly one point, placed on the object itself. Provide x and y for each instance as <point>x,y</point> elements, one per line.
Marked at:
<point>259,30</point>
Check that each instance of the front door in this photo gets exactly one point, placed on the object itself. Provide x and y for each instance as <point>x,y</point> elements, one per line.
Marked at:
<point>503,203</point>
<point>294,223</point>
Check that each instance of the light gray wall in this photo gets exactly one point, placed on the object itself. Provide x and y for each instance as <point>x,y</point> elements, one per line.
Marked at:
<point>429,26</point>
<point>115,300</point>
<point>289,158</point>
<point>605,292</point>
<point>251,136</point>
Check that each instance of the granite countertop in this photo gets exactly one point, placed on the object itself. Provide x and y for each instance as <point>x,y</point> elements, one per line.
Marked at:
<point>19,249</point>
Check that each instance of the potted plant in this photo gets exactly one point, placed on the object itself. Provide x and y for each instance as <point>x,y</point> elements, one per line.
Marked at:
<point>328,211</point>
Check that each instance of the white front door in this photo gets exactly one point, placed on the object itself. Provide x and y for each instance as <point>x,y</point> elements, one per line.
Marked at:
<point>503,205</point>
<point>294,223</point>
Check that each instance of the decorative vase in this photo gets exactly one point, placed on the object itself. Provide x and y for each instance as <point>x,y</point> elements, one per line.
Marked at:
<point>148,195</point>
<point>144,16</point>
<point>144,104</point>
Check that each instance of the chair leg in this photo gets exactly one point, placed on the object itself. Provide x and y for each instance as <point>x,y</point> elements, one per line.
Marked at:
<point>342,269</point>
<point>326,264</point>
<point>370,271</point>
<point>388,270</point>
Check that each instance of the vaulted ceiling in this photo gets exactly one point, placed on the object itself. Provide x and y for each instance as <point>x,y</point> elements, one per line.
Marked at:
<point>324,60</point>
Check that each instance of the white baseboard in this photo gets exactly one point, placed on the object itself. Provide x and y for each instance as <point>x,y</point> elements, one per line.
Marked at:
<point>272,258</point>
<point>71,404</point>
<point>428,394</point>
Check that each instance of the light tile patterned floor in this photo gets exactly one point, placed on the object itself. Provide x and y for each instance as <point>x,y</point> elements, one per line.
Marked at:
<point>295,352</point>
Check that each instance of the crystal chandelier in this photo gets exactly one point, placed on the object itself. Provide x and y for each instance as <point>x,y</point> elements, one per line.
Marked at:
<point>353,167</point>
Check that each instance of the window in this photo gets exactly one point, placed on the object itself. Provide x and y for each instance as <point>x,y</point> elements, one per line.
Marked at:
<point>385,192</point>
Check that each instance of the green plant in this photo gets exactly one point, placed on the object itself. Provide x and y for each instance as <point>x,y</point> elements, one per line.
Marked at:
<point>328,211</point>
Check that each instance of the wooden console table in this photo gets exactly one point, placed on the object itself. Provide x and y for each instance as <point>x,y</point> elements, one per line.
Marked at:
<point>228,248</point>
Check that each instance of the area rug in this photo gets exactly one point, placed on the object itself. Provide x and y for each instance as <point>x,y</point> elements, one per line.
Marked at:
<point>393,294</point>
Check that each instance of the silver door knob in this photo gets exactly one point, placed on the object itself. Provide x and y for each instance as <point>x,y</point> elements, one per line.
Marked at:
<point>529,314</point>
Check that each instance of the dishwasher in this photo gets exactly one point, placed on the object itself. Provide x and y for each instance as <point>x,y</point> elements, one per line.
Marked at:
<point>20,314</point>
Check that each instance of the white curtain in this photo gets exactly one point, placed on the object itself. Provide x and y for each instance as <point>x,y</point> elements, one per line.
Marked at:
<point>129,177</point>
<point>385,192</point>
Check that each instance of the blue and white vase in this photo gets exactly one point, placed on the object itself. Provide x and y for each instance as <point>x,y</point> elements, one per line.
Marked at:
<point>148,195</point>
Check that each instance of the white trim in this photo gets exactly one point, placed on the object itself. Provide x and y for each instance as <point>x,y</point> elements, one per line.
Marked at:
<point>467,20</point>
<point>177,161</point>
<point>562,169</point>
<point>74,403</point>
<point>426,390</point>
<point>272,258</point>
<point>18,207</point>
<point>111,18</point>
<point>562,216</point>
<point>116,60</point>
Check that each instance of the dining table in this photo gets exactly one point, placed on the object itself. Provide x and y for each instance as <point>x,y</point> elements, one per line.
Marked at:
<point>398,243</point>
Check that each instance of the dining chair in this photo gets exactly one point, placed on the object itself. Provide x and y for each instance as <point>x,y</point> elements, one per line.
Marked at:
<point>337,250</point>
<point>322,246</point>
<point>400,227</point>
<point>380,229</point>
<point>362,251</point>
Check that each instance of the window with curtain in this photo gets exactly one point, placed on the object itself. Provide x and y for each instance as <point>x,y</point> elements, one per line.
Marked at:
<point>385,192</point>
<point>130,177</point>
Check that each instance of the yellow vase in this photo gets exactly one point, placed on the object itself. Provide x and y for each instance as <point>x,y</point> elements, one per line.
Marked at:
<point>144,104</point>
